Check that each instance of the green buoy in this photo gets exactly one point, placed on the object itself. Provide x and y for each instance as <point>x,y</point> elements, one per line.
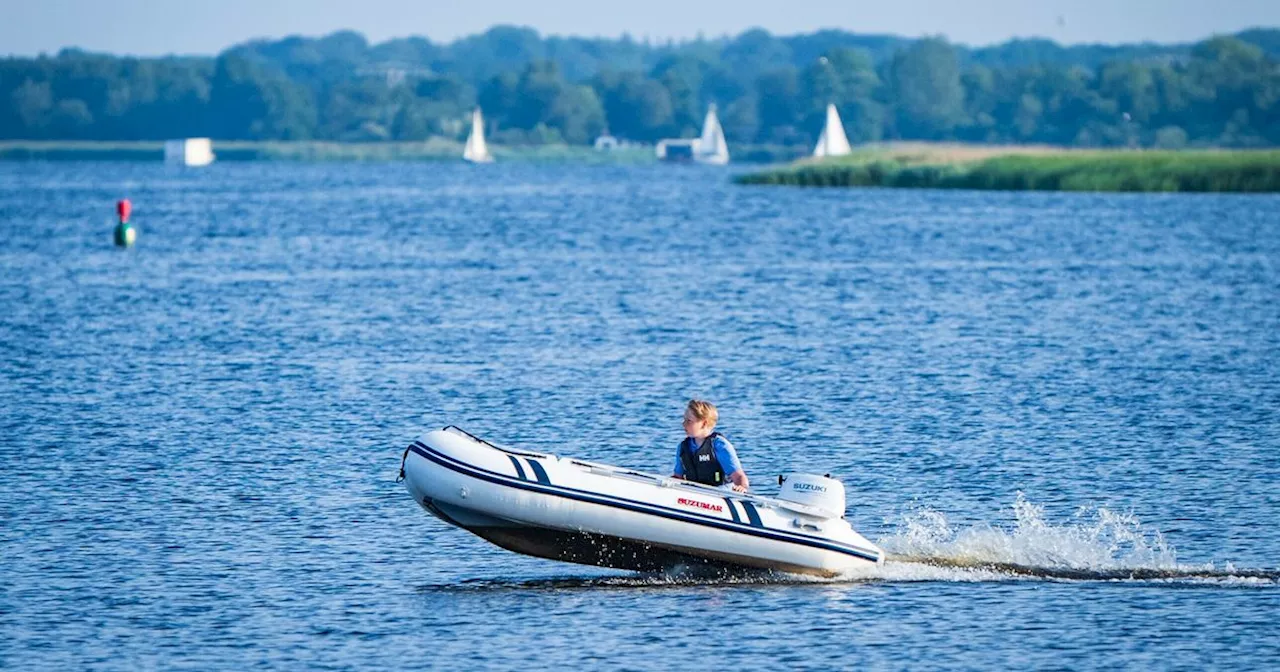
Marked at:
<point>124,234</point>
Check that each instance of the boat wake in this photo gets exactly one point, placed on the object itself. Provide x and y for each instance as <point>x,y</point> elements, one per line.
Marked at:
<point>1096,545</point>
<point>909,568</point>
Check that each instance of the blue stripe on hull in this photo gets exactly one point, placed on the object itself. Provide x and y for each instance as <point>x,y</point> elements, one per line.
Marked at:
<point>733,510</point>
<point>519,469</point>
<point>752,514</point>
<point>540,472</point>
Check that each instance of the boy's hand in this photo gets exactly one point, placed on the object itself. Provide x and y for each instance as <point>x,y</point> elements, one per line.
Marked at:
<point>739,488</point>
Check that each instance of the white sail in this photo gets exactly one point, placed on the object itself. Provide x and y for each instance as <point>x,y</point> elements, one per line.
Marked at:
<point>476,151</point>
<point>833,141</point>
<point>711,146</point>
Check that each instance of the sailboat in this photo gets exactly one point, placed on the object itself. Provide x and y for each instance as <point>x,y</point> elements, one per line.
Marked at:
<point>711,147</point>
<point>476,151</point>
<point>833,141</point>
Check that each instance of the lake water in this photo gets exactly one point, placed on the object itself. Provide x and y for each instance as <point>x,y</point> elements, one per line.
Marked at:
<point>199,436</point>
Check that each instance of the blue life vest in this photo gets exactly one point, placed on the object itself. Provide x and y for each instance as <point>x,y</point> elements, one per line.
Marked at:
<point>701,465</point>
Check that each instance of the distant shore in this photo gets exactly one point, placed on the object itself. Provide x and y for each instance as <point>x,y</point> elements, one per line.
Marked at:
<point>1037,168</point>
<point>895,165</point>
<point>235,150</point>
<point>436,149</point>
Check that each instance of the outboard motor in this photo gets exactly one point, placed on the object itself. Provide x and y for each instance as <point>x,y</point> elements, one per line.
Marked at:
<point>820,492</point>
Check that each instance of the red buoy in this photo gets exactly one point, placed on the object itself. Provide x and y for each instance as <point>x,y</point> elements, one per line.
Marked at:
<point>123,208</point>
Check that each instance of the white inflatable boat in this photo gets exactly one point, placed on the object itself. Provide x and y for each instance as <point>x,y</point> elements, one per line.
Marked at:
<point>595,514</point>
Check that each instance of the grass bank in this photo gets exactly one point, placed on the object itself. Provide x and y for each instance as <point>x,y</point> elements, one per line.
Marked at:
<point>1034,168</point>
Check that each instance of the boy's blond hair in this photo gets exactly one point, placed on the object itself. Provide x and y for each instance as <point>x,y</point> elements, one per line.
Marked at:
<point>703,411</point>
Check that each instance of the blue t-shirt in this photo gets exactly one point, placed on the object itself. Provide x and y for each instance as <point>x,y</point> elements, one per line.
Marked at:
<point>725,454</point>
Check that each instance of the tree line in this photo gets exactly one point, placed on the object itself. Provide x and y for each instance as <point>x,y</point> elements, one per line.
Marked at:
<point>772,90</point>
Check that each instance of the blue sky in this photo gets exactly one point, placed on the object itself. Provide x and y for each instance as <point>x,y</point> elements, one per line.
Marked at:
<point>149,27</point>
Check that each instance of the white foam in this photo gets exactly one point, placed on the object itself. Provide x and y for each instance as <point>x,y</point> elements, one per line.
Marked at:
<point>1097,544</point>
<point>1096,538</point>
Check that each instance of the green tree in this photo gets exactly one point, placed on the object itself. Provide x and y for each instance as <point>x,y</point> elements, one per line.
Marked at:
<point>500,96</point>
<point>251,102</point>
<point>1223,91</point>
<point>71,119</point>
<point>741,119</point>
<point>1171,137</point>
<point>755,51</point>
<point>780,106</point>
<point>32,103</point>
<point>682,78</point>
<point>637,108</point>
<point>926,85</point>
<point>847,79</point>
<point>537,91</point>
<point>1132,87</point>
<point>1027,119</point>
<point>577,114</point>
<point>981,100</point>
<point>1232,85</point>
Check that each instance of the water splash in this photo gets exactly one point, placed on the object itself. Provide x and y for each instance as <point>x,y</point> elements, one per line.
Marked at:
<point>1098,544</point>
<point>1095,538</point>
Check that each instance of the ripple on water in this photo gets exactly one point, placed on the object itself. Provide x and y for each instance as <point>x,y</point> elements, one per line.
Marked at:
<point>200,435</point>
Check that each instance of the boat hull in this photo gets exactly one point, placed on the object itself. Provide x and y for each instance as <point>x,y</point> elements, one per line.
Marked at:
<point>566,510</point>
<point>602,550</point>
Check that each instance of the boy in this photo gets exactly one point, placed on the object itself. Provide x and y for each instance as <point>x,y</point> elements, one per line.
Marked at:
<point>704,456</point>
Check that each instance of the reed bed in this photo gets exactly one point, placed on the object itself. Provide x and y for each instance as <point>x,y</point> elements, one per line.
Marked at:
<point>1062,170</point>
